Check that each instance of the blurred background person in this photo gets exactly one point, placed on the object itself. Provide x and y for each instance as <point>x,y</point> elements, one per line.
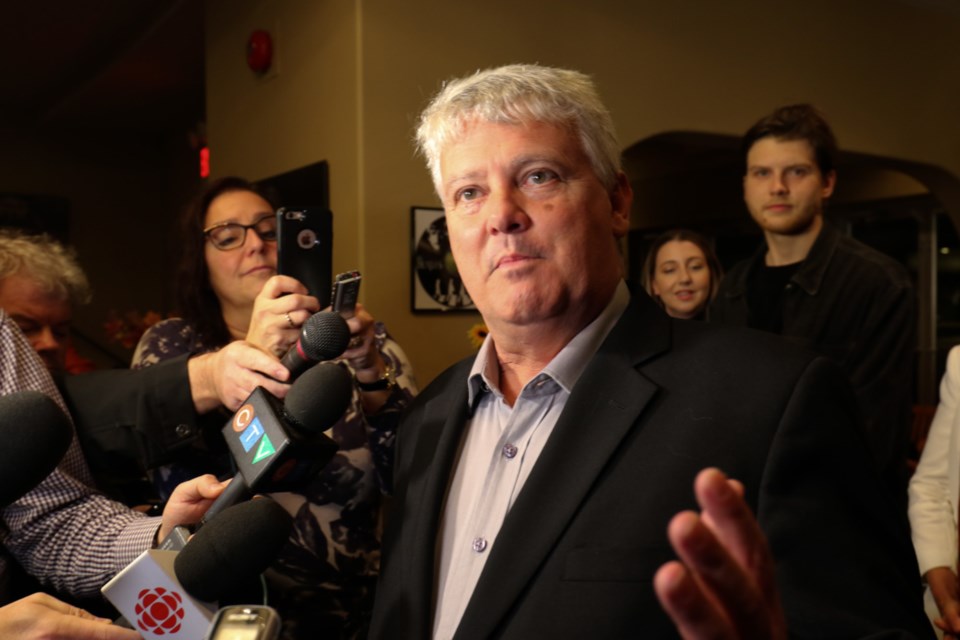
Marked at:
<point>933,492</point>
<point>41,283</point>
<point>682,273</point>
<point>229,290</point>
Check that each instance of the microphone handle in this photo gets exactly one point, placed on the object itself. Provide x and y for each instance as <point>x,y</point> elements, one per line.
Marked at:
<point>235,492</point>
<point>295,361</point>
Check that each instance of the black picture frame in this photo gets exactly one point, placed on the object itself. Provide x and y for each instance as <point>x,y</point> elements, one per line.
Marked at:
<point>435,286</point>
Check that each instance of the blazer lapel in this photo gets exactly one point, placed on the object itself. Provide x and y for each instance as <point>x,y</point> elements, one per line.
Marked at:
<point>601,410</point>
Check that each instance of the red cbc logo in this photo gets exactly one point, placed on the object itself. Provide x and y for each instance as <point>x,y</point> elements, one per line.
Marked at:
<point>159,611</point>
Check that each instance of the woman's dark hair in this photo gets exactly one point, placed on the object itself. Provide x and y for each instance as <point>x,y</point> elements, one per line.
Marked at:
<point>196,299</point>
<point>681,235</point>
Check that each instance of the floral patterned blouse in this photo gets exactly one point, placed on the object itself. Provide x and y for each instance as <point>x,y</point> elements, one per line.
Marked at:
<point>322,584</point>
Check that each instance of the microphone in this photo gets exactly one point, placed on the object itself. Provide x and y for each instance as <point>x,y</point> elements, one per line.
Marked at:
<point>324,336</point>
<point>279,446</point>
<point>165,596</point>
<point>35,436</point>
<point>235,547</point>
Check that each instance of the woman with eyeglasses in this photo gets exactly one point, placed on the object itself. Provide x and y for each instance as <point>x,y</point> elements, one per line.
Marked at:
<point>228,289</point>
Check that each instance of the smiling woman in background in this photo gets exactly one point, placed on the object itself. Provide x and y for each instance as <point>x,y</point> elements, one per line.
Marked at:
<point>682,273</point>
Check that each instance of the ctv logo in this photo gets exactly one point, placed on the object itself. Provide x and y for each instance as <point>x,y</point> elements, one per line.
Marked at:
<point>246,423</point>
<point>159,611</point>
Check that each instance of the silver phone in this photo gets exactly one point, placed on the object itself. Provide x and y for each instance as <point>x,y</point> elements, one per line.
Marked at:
<point>346,288</point>
<point>245,622</point>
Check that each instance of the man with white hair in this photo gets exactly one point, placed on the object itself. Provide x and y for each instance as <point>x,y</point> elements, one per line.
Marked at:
<point>543,487</point>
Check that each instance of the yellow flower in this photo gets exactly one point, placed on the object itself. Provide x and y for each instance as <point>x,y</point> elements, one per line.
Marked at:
<point>476,334</point>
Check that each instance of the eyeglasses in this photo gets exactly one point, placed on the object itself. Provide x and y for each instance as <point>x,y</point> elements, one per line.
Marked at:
<point>227,236</point>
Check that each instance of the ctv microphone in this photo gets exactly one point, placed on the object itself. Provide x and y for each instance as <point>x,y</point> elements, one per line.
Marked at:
<point>171,594</point>
<point>278,446</point>
<point>324,336</point>
<point>35,435</point>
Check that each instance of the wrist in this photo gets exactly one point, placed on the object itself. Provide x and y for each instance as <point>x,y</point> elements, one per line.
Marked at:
<point>202,389</point>
<point>376,378</point>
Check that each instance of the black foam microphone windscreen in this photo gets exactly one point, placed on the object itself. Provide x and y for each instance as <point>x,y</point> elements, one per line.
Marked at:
<point>35,434</point>
<point>324,336</point>
<point>319,398</point>
<point>234,547</point>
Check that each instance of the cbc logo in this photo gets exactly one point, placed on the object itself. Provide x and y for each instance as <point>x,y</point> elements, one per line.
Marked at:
<point>242,418</point>
<point>159,611</point>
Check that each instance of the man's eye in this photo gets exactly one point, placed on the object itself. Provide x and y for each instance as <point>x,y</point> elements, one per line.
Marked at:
<point>760,173</point>
<point>467,194</point>
<point>541,177</point>
<point>799,171</point>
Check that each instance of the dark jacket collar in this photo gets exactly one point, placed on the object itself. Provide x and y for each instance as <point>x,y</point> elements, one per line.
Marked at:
<point>812,269</point>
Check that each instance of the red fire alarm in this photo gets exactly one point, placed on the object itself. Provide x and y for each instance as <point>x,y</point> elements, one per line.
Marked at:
<point>259,51</point>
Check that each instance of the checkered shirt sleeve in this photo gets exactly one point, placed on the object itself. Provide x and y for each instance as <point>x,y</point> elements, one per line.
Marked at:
<point>63,532</point>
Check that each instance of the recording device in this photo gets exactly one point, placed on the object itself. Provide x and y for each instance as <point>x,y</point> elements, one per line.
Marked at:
<point>305,248</point>
<point>276,445</point>
<point>172,594</point>
<point>324,336</point>
<point>346,288</point>
<point>36,434</point>
<point>245,622</point>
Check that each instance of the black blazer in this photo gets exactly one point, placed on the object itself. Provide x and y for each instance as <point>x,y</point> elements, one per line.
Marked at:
<point>659,401</point>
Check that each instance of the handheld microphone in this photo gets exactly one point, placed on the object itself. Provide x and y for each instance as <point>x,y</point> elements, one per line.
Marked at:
<point>36,434</point>
<point>277,447</point>
<point>172,594</point>
<point>324,336</point>
<point>233,549</point>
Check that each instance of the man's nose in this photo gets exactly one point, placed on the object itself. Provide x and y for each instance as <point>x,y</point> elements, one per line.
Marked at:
<point>777,184</point>
<point>45,340</point>
<point>507,213</point>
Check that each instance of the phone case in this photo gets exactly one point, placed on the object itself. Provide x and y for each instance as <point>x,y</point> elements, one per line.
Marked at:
<point>305,248</point>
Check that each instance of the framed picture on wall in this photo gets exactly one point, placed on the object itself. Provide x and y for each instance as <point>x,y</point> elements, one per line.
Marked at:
<point>435,283</point>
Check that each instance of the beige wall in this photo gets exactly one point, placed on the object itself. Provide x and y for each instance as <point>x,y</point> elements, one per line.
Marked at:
<point>353,74</point>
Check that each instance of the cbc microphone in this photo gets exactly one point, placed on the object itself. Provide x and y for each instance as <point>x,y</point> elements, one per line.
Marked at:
<point>36,434</point>
<point>278,446</point>
<point>324,336</point>
<point>172,594</point>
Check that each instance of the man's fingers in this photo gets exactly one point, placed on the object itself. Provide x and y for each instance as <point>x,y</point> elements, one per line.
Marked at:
<point>692,610</point>
<point>741,571</point>
<point>729,584</point>
<point>726,513</point>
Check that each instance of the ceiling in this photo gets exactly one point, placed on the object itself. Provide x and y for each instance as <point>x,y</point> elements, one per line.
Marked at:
<point>135,65</point>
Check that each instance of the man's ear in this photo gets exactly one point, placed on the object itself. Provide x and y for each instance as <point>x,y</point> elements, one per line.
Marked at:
<point>621,202</point>
<point>829,182</point>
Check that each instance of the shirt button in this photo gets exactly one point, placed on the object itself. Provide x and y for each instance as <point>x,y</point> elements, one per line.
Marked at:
<point>509,450</point>
<point>479,545</point>
<point>183,430</point>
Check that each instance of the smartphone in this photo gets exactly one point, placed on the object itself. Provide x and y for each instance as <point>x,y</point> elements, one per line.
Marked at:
<point>346,288</point>
<point>305,248</point>
<point>245,622</point>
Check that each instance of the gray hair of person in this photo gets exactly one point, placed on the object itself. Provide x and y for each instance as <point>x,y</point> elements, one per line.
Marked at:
<point>521,94</point>
<point>50,264</point>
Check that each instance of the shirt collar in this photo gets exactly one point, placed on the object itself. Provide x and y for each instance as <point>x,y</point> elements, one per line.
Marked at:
<point>566,366</point>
